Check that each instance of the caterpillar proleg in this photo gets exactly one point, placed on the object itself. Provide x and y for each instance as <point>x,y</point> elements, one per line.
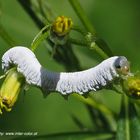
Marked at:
<point>81,82</point>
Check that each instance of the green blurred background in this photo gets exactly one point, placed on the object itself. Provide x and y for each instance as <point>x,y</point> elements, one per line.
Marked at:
<point>116,21</point>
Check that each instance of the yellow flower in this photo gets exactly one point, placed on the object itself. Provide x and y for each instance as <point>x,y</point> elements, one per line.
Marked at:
<point>10,89</point>
<point>62,25</point>
<point>131,86</point>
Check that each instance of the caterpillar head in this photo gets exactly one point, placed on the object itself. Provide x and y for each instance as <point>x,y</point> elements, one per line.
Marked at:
<point>122,65</point>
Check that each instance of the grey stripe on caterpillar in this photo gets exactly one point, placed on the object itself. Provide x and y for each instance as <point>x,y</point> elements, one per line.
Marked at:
<point>80,82</point>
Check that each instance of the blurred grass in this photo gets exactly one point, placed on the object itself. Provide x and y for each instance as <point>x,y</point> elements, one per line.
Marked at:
<point>117,22</point>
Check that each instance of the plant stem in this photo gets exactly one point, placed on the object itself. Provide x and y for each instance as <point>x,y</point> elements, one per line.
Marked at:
<point>78,29</point>
<point>92,43</point>
<point>102,49</point>
<point>94,46</point>
<point>126,105</point>
<point>90,101</point>
<point>77,42</point>
<point>83,17</point>
<point>42,35</point>
<point>102,108</point>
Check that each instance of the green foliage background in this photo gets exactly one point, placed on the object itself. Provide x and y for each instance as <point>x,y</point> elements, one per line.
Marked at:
<point>117,22</point>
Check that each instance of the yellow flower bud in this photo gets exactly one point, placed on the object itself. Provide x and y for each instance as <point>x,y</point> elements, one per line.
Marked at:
<point>10,89</point>
<point>131,86</point>
<point>62,25</point>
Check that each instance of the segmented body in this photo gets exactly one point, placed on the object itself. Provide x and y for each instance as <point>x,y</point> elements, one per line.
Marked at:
<point>80,82</point>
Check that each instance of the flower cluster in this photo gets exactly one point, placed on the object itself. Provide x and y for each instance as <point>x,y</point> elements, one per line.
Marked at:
<point>131,86</point>
<point>60,30</point>
<point>62,25</point>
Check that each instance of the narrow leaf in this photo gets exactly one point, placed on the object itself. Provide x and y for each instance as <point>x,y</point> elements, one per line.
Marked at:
<point>123,122</point>
<point>134,123</point>
<point>72,136</point>
<point>129,123</point>
<point>42,35</point>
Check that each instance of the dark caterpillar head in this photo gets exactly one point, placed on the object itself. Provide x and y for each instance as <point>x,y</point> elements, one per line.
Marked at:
<point>122,65</point>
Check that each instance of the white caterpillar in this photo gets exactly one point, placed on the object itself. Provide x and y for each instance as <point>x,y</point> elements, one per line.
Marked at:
<point>81,82</point>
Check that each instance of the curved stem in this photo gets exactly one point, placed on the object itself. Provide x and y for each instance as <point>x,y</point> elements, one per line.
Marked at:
<point>110,116</point>
<point>126,106</point>
<point>90,42</point>
<point>81,14</point>
<point>94,46</point>
<point>43,34</point>
<point>78,29</point>
<point>77,42</point>
<point>102,49</point>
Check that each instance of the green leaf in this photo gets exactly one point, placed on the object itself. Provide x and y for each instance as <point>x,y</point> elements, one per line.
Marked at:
<point>128,123</point>
<point>123,122</point>
<point>72,136</point>
<point>134,123</point>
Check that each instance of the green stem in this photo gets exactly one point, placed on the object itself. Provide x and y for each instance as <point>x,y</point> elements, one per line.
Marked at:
<point>94,46</point>
<point>83,17</point>
<point>78,29</point>
<point>90,101</point>
<point>97,105</point>
<point>43,34</point>
<point>102,49</point>
<point>5,36</point>
<point>77,42</point>
<point>126,105</point>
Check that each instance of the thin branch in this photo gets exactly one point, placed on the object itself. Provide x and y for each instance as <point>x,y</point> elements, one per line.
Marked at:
<point>83,17</point>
